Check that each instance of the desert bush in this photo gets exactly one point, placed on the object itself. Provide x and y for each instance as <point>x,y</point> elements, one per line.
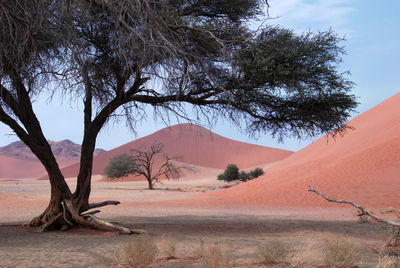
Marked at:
<point>231,173</point>
<point>245,176</point>
<point>388,262</point>
<point>255,173</point>
<point>120,166</point>
<point>168,247</point>
<point>138,254</point>
<point>339,253</point>
<point>305,257</point>
<point>215,257</point>
<point>273,252</point>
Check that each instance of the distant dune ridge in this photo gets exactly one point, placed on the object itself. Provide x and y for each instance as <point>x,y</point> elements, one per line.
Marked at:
<point>194,145</point>
<point>363,166</point>
<point>17,160</point>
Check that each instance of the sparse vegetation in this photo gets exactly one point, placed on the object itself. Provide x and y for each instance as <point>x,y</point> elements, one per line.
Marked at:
<point>199,252</point>
<point>168,247</point>
<point>137,254</point>
<point>274,251</point>
<point>215,257</point>
<point>388,262</point>
<point>339,253</point>
<point>305,257</point>
<point>232,173</point>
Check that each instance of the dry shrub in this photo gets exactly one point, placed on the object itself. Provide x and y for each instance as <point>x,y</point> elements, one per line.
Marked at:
<point>168,247</point>
<point>273,252</point>
<point>199,252</point>
<point>139,253</point>
<point>305,257</point>
<point>388,262</point>
<point>340,253</point>
<point>215,257</point>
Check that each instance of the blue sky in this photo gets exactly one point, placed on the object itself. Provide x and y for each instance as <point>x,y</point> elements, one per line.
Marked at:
<point>373,57</point>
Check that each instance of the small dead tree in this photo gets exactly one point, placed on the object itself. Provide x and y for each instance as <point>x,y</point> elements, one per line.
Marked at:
<point>146,165</point>
<point>394,240</point>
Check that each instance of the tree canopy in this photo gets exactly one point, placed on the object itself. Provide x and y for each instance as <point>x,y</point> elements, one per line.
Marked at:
<point>197,60</point>
<point>120,166</point>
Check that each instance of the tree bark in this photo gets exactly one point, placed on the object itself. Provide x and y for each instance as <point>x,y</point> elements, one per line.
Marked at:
<point>83,186</point>
<point>59,192</point>
<point>149,181</point>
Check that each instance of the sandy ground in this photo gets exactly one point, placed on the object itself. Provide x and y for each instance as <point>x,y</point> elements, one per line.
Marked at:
<point>163,213</point>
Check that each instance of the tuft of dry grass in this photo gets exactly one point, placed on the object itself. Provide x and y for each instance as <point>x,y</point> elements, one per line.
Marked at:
<point>273,252</point>
<point>139,253</point>
<point>339,253</point>
<point>168,247</point>
<point>199,252</point>
<point>306,257</point>
<point>388,262</point>
<point>215,257</point>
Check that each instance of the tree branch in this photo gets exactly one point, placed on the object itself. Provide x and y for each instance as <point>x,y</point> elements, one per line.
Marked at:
<point>363,210</point>
<point>9,121</point>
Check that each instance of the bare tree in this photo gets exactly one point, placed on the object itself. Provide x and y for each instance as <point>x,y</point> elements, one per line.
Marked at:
<point>198,54</point>
<point>146,165</point>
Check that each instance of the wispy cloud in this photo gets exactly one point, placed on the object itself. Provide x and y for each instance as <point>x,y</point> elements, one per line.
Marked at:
<point>312,14</point>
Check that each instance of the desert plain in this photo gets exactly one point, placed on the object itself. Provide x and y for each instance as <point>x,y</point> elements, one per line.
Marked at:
<point>198,212</point>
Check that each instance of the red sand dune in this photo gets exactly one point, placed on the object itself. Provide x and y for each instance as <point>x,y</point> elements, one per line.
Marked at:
<point>194,145</point>
<point>363,166</point>
<point>11,167</point>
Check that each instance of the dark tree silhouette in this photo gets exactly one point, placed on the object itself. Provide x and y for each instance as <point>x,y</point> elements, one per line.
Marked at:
<point>200,56</point>
<point>146,165</point>
<point>231,173</point>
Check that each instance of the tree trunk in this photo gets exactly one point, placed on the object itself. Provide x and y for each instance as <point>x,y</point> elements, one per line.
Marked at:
<point>59,192</point>
<point>83,186</point>
<point>150,182</point>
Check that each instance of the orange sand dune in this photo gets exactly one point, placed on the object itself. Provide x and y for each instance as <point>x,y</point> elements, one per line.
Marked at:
<point>194,145</point>
<point>11,167</point>
<point>363,166</point>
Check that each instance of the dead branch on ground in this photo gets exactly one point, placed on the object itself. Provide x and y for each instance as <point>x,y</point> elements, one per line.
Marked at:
<point>394,240</point>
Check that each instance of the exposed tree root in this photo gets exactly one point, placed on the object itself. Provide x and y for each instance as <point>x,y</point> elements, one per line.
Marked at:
<point>114,226</point>
<point>103,204</point>
<point>394,240</point>
<point>70,216</point>
<point>45,227</point>
<point>90,212</point>
<point>65,216</point>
